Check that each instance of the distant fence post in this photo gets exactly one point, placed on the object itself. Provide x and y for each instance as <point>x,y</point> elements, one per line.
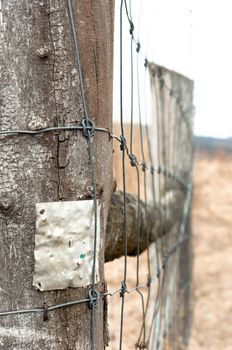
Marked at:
<point>172,148</point>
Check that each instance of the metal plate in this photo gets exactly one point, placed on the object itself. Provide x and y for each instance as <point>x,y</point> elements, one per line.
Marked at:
<point>64,243</point>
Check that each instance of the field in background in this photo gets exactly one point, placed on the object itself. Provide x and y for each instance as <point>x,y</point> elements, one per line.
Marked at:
<point>212,237</point>
<point>212,233</point>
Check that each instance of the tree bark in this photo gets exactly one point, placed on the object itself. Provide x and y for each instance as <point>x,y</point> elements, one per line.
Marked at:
<point>154,222</point>
<point>40,88</point>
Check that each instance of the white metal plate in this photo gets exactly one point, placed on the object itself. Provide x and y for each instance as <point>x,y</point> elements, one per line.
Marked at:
<point>64,242</point>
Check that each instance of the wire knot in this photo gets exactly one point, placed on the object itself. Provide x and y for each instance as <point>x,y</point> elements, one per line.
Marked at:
<point>146,62</point>
<point>149,280</point>
<point>138,47</point>
<point>144,165</point>
<point>133,159</point>
<point>132,27</point>
<point>159,170</point>
<point>88,127</point>
<point>94,297</point>
<point>123,143</point>
<point>152,168</point>
<point>123,289</point>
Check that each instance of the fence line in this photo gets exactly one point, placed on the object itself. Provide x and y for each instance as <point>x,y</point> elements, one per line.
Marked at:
<point>170,161</point>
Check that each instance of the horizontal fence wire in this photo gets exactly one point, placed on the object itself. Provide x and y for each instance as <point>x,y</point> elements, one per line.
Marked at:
<point>162,164</point>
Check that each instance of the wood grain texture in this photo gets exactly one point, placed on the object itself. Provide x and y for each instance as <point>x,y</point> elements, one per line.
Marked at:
<point>39,88</point>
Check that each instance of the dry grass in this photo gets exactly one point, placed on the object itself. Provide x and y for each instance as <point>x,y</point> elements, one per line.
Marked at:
<point>212,224</point>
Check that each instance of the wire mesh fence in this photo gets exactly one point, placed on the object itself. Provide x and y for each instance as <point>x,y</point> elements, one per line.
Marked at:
<point>155,165</point>
<point>156,154</point>
<point>164,268</point>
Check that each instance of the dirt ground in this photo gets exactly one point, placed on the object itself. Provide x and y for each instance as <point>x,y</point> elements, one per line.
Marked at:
<point>212,233</point>
<point>212,238</point>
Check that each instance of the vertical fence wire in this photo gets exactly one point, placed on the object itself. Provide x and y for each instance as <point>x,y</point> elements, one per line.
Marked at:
<point>123,149</point>
<point>86,122</point>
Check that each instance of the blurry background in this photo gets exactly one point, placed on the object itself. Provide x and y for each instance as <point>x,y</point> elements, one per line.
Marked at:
<point>191,37</point>
<point>194,39</point>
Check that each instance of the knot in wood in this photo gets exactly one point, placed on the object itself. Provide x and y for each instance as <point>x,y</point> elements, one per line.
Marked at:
<point>6,205</point>
<point>43,52</point>
<point>36,123</point>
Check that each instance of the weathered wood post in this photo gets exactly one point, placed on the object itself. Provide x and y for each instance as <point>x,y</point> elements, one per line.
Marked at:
<point>40,88</point>
<point>172,148</point>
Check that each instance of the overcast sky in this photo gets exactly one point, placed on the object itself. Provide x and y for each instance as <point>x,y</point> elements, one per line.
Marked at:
<point>193,37</point>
